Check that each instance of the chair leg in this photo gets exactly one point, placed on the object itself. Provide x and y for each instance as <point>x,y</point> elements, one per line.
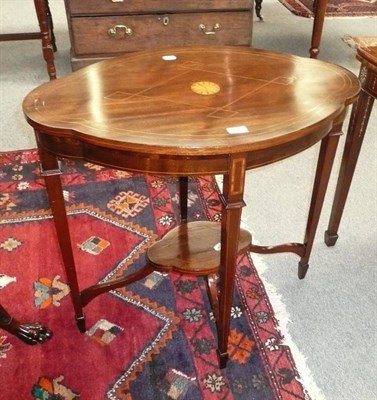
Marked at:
<point>41,8</point>
<point>50,26</point>
<point>45,34</point>
<point>320,7</point>
<point>361,111</point>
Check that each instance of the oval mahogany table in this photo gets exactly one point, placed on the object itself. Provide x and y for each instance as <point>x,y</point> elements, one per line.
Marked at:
<point>192,111</point>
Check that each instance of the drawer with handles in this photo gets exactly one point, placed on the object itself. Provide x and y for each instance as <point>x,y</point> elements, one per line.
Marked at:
<point>119,34</point>
<point>101,29</point>
<point>113,7</point>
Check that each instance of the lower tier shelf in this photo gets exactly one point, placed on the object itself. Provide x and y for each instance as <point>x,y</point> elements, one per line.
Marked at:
<point>192,248</point>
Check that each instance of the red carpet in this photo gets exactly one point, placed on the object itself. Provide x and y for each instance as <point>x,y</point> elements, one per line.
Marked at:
<point>335,8</point>
<point>154,339</point>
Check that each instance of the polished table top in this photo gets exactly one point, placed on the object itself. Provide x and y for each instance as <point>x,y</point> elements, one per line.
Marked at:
<point>193,101</point>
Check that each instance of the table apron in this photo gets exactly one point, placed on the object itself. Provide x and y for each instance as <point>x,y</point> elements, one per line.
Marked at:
<point>165,164</point>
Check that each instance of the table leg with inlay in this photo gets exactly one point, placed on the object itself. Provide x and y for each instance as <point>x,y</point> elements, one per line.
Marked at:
<point>359,119</point>
<point>355,136</point>
<point>51,172</point>
<point>232,199</point>
<point>324,166</point>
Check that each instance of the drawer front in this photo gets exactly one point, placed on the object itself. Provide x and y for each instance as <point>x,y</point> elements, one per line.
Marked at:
<point>98,7</point>
<point>111,35</point>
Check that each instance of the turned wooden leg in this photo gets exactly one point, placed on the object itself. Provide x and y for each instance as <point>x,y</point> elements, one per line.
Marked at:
<point>51,172</point>
<point>42,11</point>
<point>232,199</point>
<point>183,191</point>
<point>324,166</point>
<point>319,17</point>
<point>355,135</point>
<point>50,26</point>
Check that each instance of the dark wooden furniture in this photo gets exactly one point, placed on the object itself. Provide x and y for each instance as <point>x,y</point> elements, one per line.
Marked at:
<point>320,7</point>
<point>192,111</point>
<point>46,35</point>
<point>319,17</point>
<point>103,29</point>
<point>355,135</point>
<point>29,332</point>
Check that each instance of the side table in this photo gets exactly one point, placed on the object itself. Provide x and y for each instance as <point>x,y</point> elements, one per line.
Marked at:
<point>355,135</point>
<point>192,111</point>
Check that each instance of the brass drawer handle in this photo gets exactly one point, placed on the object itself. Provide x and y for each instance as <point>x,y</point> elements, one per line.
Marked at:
<point>204,29</point>
<point>112,32</point>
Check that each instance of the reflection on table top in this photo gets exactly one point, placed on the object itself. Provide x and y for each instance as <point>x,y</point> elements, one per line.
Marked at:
<point>190,100</point>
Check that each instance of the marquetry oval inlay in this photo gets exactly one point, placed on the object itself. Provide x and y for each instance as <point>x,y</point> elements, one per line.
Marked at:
<point>205,88</point>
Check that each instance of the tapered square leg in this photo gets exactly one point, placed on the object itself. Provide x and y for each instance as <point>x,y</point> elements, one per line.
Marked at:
<point>325,162</point>
<point>358,124</point>
<point>51,173</point>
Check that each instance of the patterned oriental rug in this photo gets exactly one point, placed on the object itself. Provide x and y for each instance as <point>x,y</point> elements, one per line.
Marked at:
<point>154,339</point>
<point>335,8</point>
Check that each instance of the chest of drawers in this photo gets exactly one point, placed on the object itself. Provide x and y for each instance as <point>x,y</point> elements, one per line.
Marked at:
<point>100,29</point>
